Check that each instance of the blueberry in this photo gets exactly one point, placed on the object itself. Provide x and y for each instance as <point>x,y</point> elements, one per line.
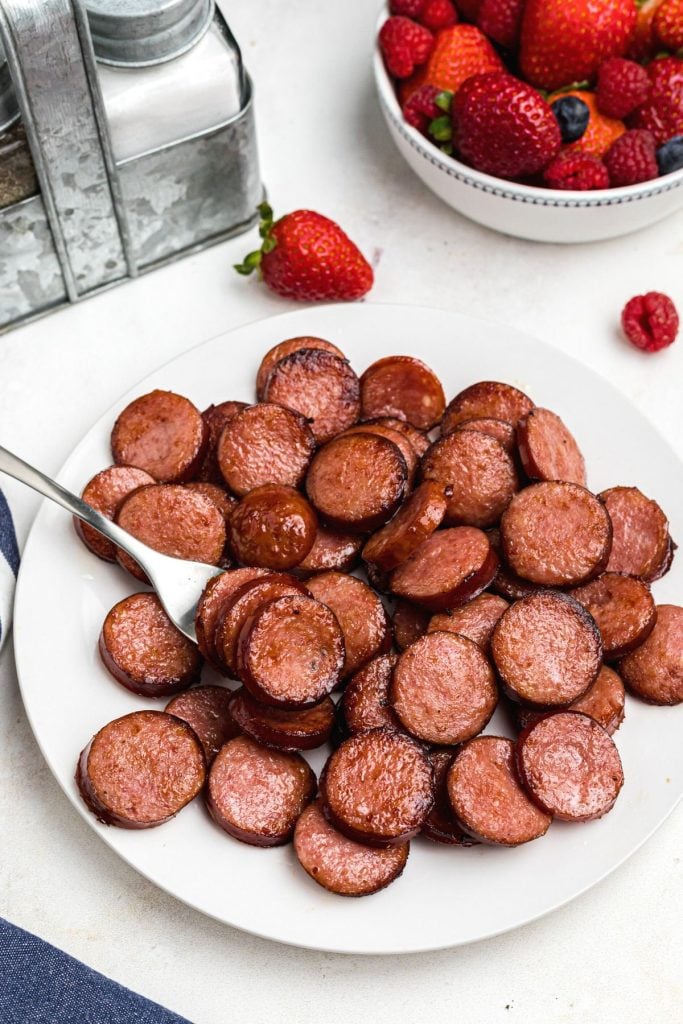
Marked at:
<point>572,115</point>
<point>670,155</point>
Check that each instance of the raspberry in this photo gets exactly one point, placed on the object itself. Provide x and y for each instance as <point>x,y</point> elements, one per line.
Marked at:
<point>576,171</point>
<point>405,45</point>
<point>650,321</point>
<point>438,14</point>
<point>407,8</point>
<point>632,158</point>
<point>623,86</point>
<point>420,108</point>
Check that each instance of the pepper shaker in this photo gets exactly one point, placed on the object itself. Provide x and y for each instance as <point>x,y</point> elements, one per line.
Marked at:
<point>17,173</point>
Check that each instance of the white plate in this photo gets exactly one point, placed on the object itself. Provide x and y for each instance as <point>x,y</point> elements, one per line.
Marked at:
<point>446,896</point>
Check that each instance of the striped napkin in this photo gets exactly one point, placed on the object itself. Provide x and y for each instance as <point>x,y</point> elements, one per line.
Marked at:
<point>9,566</point>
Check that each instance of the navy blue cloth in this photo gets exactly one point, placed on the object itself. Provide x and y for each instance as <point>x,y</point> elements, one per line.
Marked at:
<point>41,985</point>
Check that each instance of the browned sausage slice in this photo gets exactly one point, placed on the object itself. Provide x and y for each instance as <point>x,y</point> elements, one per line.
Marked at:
<point>272,527</point>
<point>127,777</point>
<point>403,444</point>
<point>418,438</point>
<point>264,444</point>
<point>331,550</point>
<point>319,385</point>
<point>365,703</point>
<point>162,433</point>
<point>291,652</point>
<point>488,399</point>
<point>475,620</point>
<point>623,609</point>
<point>105,492</point>
<point>548,450</point>
<point>244,602</point>
<point>257,794</point>
<point>410,623</point>
<point>207,710</point>
<point>443,689</point>
<point>360,613</point>
<point>570,766</point>
<point>415,521</point>
<point>480,472</point>
<point>547,650</point>
<point>144,651</point>
<point>556,534</point>
<point>223,501</point>
<point>356,482</point>
<point>338,863</point>
<point>654,672</point>
<point>215,419</point>
<point>377,787</point>
<point>174,520</point>
<point>603,701</point>
<point>641,543</point>
<point>404,387</point>
<point>447,570</point>
<point>486,796</point>
<point>286,348</point>
<point>211,604</point>
<point>503,431</point>
<point>441,826</point>
<point>283,730</point>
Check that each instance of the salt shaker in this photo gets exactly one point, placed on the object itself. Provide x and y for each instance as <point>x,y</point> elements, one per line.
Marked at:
<point>17,174</point>
<point>167,70</point>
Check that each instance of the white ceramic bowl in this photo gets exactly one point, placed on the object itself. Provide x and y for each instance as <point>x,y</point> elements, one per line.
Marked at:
<point>540,214</point>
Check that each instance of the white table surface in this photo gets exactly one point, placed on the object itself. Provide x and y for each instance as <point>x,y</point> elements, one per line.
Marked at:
<point>614,954</point>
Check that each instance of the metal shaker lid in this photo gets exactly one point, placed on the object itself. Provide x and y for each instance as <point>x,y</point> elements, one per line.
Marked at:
<point>137,33</point>
<point>9,107</point>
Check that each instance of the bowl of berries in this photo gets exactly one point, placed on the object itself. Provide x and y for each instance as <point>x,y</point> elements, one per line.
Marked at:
<point>552,120</point>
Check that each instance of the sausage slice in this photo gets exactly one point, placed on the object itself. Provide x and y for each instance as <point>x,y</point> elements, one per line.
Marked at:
<point>143,650</point>
<point>339,864</point>
<point>556,534</point>
<point>331,549</point>
<point>365,703</point>
<point>404,387</point>
<point>603,701</point>
<point>402,442</point>
<point>475,620</point>
<point>357,481</point>
<point>418,438</point>
<point>641,543</point>
<point>283,730</point>
<point>441,826</point>
<point>623,609</point>
<point>446,570</point>
<point>487,399</point>
<point>256,794</point>
<point>654,671</point>
<point>272,527</point>
<point>215,418</point>
<point>547,650</point>
<point>361,615</point>
<point>570,766</point>
<point>207,710</point>
<point>410,623</point>
<point>291,652</point>
<point>443,689</point>
<point>264,444</point>
<point>319,385</point>
<point>414,522</point>
<point>486,797</point>
<point>377,787</point>
<point>480,472</point>
<point>286,348</point>
<point>548,450</point>
<point>501,430</point>
<point>211,605</point>
<point>140,770</point>
<point>105,492</point>
<point>223,501</point>
<point>162,433</point>
<point>244,602</point>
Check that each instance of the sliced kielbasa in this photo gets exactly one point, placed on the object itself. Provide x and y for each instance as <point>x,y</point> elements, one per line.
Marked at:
<point>623,609</point>
<point>211,604</point>
<point>286,348</point>
<point>603,701</point>
<point>377,787</point>
<point>340,864</point>
<point>357,481</point>
<point>443,689</point>
<point>570,766</point>
<point>140,770</point>
<point>475,620</point>
<point>403,387</point>
<point>654,671</point>
<point>503,431</point>
<point>441,826</point>
<point>264,444</point>
<point>361,615</point>
<point>486,797</point>
<point>418,438</point>
<point>244,602</point>
<point>105,492</point>
<point>641,543</point>
<point>207,710</point>
<point>487,399</point>
<point>403,444</point>
<point>410,623</point>
<point>284,730</point>
<point>272,527</point>
<point>416,520</point>
<point>332,550</point>
<point>215,419</point>
<point>365,703</point>
<point>556,534</point>
<point>256,794</point>
<point>143,650</point>
<point>449,568</point>
<point>162,433</point>
<point>319,385</point>
<point>218,495</point>
<point>548,450</point>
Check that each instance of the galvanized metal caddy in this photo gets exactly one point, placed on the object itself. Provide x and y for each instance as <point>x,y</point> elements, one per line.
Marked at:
<point>97,222</point>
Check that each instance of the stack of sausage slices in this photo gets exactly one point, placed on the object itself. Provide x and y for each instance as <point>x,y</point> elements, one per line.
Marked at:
<point>508,581</point>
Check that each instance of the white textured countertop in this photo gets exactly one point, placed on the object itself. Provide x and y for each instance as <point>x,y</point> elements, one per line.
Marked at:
<point>614,954</point>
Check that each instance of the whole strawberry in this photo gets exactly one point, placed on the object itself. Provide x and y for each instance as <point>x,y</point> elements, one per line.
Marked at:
<point>307,257</point>
<point>459,53</point>
<point>662,114</point>
<point>405,45</point>
<point>643,45</point>
<point>501,20</point>
<point>623,86</point>
<point>564,41</point>
<point>632,159</point>
<point>668,24</point>
<point>502,126</point>
<point>601,130</point>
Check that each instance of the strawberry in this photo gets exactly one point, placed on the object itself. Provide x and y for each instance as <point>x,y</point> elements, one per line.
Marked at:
<point>308,257</point>
<point>459,53</point>
<point>662,114</point>
<point>405,45</point>
<point>565,41</point>
<point>502,126</point>
<point>643,45</point>
<point>668,24</point>
<point>501,20</point>
<point>622,86</point>
<point>601,131</point>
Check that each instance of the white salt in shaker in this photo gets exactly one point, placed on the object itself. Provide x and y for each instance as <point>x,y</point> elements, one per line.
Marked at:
<point>167,69</point>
